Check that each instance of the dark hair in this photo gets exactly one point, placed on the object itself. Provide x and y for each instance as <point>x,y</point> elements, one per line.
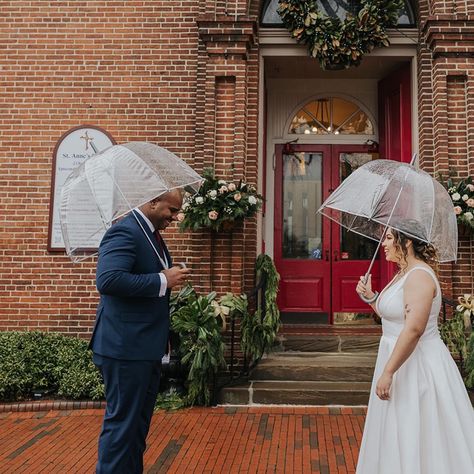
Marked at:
<point>423,250</point>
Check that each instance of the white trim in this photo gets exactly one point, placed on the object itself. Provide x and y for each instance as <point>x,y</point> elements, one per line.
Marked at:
<point>280,36</point>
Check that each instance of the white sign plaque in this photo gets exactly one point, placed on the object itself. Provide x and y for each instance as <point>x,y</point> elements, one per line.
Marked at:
<point>71,150</point>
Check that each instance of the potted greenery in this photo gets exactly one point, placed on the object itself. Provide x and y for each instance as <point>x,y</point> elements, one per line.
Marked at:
<point>462,194</point>
<point>219,204</point>
<point>457,334</point>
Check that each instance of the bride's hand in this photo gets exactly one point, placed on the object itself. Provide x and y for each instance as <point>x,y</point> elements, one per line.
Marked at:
<point>365,288</point>
<point>382,388</point>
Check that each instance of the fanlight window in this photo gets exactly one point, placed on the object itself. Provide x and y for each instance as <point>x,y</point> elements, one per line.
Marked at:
<point>331,115</point>
<point>335,8</point>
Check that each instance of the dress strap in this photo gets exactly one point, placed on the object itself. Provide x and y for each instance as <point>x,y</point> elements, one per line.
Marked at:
<point>430,272</point>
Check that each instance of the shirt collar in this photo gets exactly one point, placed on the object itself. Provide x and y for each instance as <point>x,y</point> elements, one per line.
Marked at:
<point>145,218</point>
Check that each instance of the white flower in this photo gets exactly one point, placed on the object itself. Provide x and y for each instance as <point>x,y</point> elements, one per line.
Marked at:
<point>465,197</point>
<point>470,187</point>
<point>252,200</point>
<point>231,187</point>
<point>468,215</point>
<point>221,182</point>
<point>180,216</point>
<point>222,189</point>
<point>212,193</point>
<point>185,206</point>
<point>456,197</point>
<point>199,200</point>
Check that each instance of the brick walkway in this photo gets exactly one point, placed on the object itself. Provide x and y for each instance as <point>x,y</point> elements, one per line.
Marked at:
<point>212,440</point>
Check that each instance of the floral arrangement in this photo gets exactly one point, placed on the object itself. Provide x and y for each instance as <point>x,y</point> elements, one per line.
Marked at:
<point>219,203</point>
<point>462,195</point>
<point>340,43</point>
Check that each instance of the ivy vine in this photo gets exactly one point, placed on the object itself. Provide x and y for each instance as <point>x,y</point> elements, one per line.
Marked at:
<point>259,330</point>
<point>340,44</point>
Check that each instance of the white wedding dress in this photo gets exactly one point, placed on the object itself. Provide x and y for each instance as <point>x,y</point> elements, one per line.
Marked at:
<point>427,426</point>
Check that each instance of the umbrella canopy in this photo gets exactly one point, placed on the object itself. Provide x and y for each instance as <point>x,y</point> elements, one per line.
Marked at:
<point>108,185</point>
<point>384,193</point>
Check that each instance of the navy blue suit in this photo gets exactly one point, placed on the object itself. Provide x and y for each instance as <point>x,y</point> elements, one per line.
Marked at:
<point>128,341</point>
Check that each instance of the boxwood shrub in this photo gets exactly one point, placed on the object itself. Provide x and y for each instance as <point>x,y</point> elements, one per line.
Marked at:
<point>34,360</point>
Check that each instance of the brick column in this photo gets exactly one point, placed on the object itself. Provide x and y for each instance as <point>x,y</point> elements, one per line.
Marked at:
<point>222,131</point>
<point>446,75</point>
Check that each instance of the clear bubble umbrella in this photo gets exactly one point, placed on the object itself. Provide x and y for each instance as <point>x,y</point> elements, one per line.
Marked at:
<point>109,185</point>
<point>384,193</point>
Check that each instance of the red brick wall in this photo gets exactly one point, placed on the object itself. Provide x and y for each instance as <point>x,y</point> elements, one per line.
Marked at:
<point>446,108</point>
<point>183,74</point>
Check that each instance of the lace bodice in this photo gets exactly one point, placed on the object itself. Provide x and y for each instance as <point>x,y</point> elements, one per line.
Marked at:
<point>390,307</point>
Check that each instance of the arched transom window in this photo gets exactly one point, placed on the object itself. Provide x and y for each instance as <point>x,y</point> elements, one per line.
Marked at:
<point>331,115</point>
<point>334,8</point>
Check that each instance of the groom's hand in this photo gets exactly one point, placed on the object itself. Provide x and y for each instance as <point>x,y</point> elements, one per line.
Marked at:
<point>176,276</point>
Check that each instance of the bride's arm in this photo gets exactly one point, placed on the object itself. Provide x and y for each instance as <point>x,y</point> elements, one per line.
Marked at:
<point>418,293</point>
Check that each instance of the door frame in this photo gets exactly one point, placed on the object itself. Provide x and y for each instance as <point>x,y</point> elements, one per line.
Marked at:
<point>303,272</point>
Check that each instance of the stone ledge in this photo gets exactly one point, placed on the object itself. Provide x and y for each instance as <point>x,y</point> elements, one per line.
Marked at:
<point>47,405</point>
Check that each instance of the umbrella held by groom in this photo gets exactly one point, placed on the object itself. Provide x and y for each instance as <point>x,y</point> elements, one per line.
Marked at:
<point>125,196</point>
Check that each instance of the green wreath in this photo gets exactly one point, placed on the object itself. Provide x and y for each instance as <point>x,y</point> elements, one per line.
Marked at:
<point>340,44</point>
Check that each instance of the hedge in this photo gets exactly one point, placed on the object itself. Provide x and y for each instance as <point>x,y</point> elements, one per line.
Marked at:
<point>60,365</point>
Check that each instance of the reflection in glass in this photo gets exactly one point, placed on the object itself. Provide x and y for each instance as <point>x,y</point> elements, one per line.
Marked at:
<point>302,196</point>
<point>334,8</point>
<point>331,115</point>
<point>354,246</point>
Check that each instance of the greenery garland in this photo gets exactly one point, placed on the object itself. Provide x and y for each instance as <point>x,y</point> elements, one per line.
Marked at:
<point>259,330</point>
<point>340,44</point>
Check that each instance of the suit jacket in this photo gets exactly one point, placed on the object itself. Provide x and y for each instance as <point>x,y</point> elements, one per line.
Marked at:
<point>132,321</point>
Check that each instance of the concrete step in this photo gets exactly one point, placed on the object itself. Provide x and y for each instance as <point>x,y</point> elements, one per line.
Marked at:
<point>297,393</point>
<point>330,343</point>
<point>316,366</point>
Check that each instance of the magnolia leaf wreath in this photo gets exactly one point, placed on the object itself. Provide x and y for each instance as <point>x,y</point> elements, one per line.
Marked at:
<point>340,44</point>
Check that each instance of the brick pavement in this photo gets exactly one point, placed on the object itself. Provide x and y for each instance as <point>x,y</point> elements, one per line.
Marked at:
<point>198,440</point>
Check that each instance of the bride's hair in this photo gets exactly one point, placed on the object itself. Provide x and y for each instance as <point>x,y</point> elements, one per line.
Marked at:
<point>423,251</point>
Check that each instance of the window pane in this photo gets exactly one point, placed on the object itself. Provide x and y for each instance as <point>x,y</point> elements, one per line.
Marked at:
<point>302,197</point>
<point>358,124</point>
<point>354,246</point>
<point>337,8</point>
<point>341,111</point>
<point>331,115</point>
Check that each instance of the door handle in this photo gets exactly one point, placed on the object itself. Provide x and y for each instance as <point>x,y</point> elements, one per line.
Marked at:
<point>336,255</point>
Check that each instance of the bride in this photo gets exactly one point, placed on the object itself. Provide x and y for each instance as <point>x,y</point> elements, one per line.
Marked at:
<point>419,419</point>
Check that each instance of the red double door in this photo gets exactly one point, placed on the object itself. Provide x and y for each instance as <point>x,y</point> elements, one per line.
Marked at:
<point>320,262</point>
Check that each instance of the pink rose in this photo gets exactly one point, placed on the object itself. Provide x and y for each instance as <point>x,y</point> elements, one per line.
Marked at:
<point>470,202</point>
<point>237,197</point>
<point>231,187</point>
<point>213,215</point>
<point>180,216</point>
<point>457,210</point>
<point>470,187</point>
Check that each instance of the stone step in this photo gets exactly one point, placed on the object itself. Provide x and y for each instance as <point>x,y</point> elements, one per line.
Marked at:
<point>297,393</point>
<point>330,343</point>
<point>316,366</point>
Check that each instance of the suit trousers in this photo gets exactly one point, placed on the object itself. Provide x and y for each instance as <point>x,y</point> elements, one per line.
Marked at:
<point>131,388</point>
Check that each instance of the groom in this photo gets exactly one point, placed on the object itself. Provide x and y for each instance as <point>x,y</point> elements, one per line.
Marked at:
<point>131,329</point>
